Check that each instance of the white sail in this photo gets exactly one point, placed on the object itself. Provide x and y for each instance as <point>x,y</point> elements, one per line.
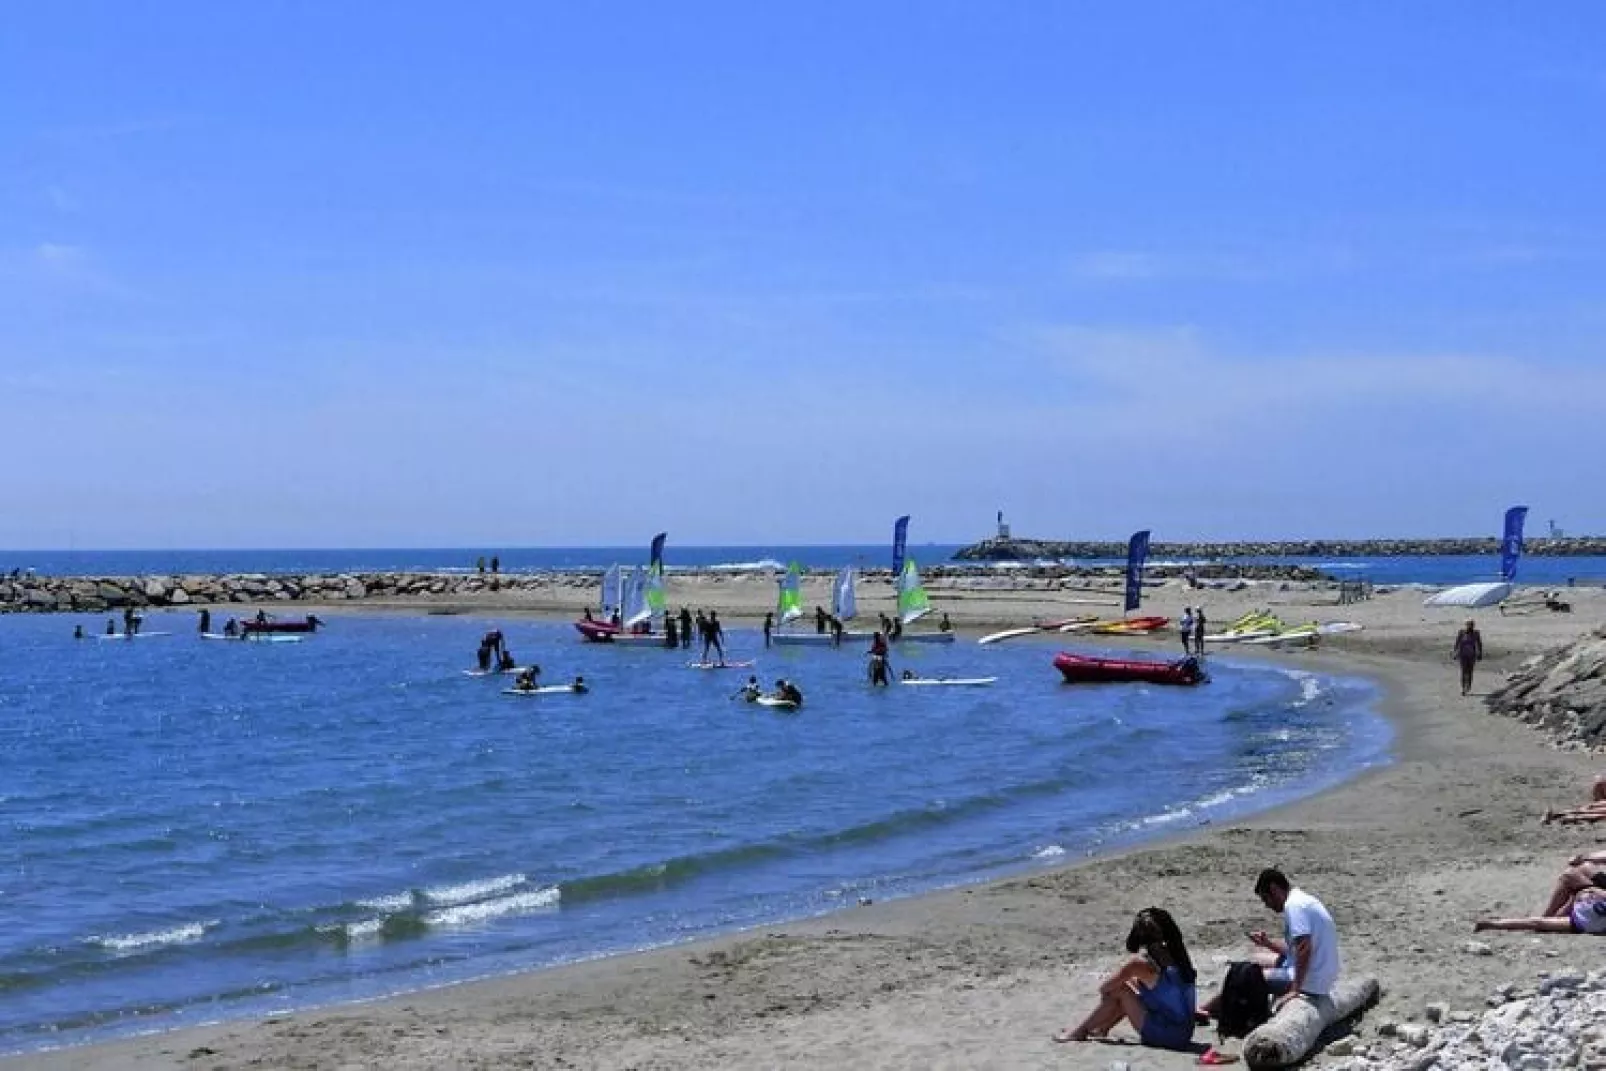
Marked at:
<point>843,603</point>
<point>636,609</point>
<point>612,590</point>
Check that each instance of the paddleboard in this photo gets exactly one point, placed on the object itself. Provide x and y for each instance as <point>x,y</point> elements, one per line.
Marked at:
<point>126,636</point>
<point>1333,628</point>
<point>963,681</point>
<point>720,665</point>
<point>1306,635</point>
<point>545,689</point>
<point>774,703</point>
<point>1008,634</point>
<point>490,672</point>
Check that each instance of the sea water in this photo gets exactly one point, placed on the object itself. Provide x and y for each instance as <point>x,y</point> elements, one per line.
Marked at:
<point>1408,569</point>
<point>195,830</point>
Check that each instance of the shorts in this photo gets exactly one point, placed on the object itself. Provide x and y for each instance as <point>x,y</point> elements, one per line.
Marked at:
<point>1279,980</point>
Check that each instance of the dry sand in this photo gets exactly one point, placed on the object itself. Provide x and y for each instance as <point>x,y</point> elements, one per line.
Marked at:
<point>1405,857</point>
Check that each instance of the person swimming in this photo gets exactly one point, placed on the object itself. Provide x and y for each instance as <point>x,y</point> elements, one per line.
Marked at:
<point>751,690</point>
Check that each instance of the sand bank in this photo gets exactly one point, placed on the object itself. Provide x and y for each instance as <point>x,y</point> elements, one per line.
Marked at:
<point>1405,857</point>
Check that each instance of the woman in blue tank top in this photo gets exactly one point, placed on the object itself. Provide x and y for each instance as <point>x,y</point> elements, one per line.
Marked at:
<point>1154,990</point>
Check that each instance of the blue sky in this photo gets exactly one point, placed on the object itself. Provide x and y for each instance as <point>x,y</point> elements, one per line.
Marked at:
<point>296,274</point>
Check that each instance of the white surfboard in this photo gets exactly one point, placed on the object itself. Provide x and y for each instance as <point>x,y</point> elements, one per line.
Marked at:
<point>972,682</point>
<point>1008,634</point>
<point>720,665</point>
<point>134,636</point>
<point>490,672</point>
<point>774,703</point>
<point>545,689</point>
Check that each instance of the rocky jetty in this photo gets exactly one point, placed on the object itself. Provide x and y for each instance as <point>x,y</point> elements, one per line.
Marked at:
<point>1560,1022</point>
<point>68,594</point>
<point>1562,691</point>
<point>998,550</point>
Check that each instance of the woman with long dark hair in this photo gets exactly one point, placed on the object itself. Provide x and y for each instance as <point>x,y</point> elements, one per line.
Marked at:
<point>1154,990</point>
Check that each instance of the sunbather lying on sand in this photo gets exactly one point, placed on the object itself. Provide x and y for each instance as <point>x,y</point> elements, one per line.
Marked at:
<point>1593,811</point>
<point>1586,915</point>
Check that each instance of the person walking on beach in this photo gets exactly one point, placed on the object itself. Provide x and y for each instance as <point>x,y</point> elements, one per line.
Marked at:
<point>819,620</point>
<point>1468,652</point>
<point>1198,632</point>
<point>1185,626</point>
<point>496,565</point>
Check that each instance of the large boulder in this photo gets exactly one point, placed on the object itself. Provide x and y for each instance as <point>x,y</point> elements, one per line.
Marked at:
<point>1563,691</point>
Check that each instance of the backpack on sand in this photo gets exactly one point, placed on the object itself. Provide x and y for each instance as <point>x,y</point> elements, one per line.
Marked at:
<point>1245,1000</point>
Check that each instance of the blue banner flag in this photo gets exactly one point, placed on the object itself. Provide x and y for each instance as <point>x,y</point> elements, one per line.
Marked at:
<point>1511,542</point>
<point>656,559</point>
<point>900,541</point>
<point>1137,552</point>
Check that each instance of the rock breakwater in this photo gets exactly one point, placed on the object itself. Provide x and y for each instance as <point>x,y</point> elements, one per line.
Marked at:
<point>1562,692</point>
<point>1029,549</point>
<point>95,594</point>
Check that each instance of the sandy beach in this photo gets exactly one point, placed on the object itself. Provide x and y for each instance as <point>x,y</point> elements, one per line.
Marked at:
<point>1405,857</point>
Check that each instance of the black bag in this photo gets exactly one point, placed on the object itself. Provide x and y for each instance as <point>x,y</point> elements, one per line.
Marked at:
<point>1245,1000</point>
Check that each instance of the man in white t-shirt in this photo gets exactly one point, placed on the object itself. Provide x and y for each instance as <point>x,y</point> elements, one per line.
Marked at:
<point>1308,960</point>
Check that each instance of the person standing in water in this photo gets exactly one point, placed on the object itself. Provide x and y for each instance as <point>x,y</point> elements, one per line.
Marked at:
<point>1185,626</point>
<point>685,628</point>
<point>714,636</point>
<point>1468,652</point>
<point>206,620</point>
<point>1198,632</point>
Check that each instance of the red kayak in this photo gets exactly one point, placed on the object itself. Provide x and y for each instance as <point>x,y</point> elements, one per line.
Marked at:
<point>1086,669</point>
<point>310,624</point>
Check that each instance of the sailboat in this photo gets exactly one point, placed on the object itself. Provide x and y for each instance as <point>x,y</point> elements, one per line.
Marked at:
<point>913,604</point>
<point>631,599</point>
<point>844,606</point>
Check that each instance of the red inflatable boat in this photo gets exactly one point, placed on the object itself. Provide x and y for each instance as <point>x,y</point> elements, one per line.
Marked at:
<point>607,632</point>
<point>1086,669</point>
<point>310,624</point>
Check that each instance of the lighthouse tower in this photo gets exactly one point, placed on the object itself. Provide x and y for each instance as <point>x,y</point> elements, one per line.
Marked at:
<point>1003,529</point>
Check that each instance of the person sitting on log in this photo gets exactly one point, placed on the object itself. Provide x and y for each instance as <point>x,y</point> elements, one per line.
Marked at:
<point>1154,990</point>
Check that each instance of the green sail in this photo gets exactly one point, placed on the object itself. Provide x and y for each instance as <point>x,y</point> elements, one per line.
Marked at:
<point>790,607</point>
<point>656,602</point>
<point>912,601</point>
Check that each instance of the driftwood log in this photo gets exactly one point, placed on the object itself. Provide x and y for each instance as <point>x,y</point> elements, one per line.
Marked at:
<point>1288,1037</point>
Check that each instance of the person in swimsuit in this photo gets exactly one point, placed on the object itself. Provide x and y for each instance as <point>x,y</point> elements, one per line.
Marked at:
<point>1586,914</point>
<point>1154,990</point>
<point>1469,652</point>
<point>879,672</point>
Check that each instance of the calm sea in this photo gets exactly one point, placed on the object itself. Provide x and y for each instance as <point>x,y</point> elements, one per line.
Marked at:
<point>1431,569</point>
<point>199,830</point>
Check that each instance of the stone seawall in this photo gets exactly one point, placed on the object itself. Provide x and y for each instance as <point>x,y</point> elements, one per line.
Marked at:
<point>1028,549</point>
<point>92,594</point>
<point>82,594</point>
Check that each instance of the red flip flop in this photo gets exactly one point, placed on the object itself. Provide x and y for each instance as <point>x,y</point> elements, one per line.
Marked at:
<point>1215,1058</point>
